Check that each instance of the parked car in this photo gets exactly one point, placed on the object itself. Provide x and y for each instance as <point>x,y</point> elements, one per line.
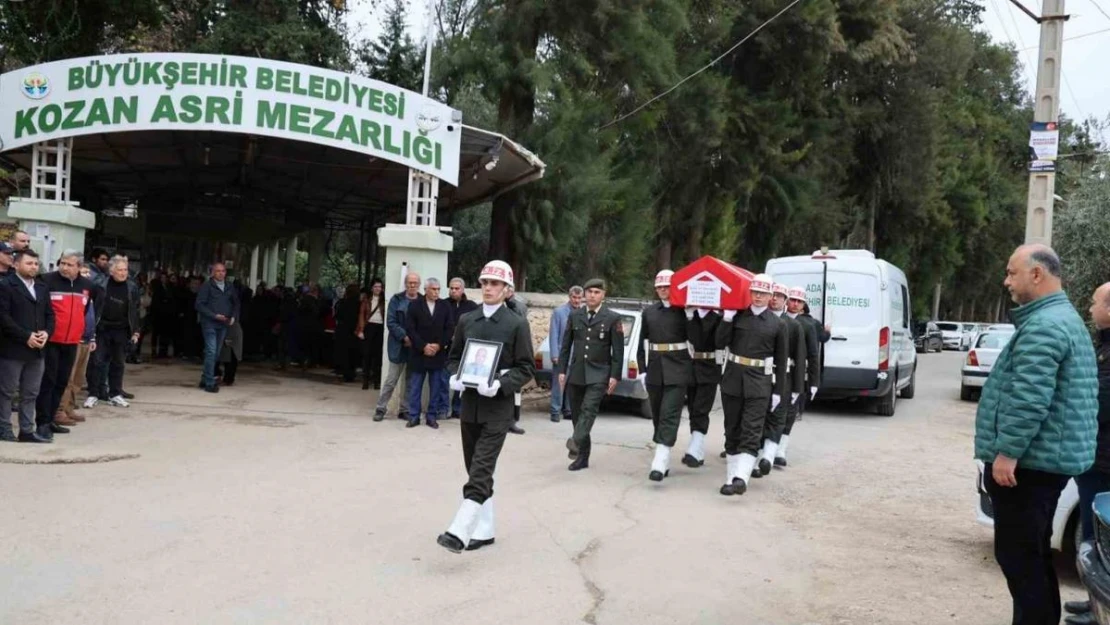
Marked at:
<point>1003,327</point>
<point>631,387</point>
<point>1093,561</point>
<point>871,354</point>
<point>927,337</point>
<point>980,359</point>
<point>1065,522</point>
<point>952,333</point>
<point>970,330</point>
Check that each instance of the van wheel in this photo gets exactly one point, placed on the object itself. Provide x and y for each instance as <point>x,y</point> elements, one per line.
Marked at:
<point>907,393</point>
<point>885,406</point>
<point>966,393</point>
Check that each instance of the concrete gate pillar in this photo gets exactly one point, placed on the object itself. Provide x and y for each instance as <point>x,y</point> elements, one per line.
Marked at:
<point>315,255</point>
<point>291,262</point>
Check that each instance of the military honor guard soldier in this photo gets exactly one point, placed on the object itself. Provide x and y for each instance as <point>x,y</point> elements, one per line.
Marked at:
<point>487,410</point>
<point>794,369</point>
<point>701,330</point>
<point>670,370</point>
<point>756,339</point>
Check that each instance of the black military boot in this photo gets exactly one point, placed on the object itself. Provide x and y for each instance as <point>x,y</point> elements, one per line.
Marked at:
<point>1086,618</point>
<point>1077,607</point>
<point>572,448</point>
<point>583,459</point>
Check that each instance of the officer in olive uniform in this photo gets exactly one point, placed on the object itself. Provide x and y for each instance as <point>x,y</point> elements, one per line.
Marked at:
<point>795,370</point>
<point>597,336</point>
<point>487,411</point>
<point>701,330</point>
<point>670,370</point>
<point>795,306</point>
<point>756,340</point>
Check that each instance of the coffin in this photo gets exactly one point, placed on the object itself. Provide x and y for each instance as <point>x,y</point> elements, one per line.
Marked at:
<point>709,282</point>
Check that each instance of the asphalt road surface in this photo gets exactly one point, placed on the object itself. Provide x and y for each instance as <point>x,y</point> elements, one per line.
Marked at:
<point>280,501</point>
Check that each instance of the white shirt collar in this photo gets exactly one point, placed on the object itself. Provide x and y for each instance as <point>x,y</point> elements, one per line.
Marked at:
<point>792,315</point>
<point>758,310</point>
<point>488,309</point>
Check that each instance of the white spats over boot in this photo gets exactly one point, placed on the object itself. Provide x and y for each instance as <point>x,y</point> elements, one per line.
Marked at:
<point>457,536</point>
<point>744,467</point>
<point>695,453</point>
<point>780,453</point>
<point>734,483</point>
<point>767,456</point>
<point>483,531</point>
<point>660,464</point>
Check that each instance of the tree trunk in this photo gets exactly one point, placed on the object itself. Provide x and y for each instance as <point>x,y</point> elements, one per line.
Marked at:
<point>936,303</point>
<point>663,250</point>
<point>960,311</point>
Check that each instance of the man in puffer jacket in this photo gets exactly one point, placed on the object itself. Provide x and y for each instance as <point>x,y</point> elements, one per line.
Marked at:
<point>1036,428</point>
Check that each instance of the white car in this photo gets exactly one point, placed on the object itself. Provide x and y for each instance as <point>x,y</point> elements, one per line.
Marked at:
<point>1065,523</point>
<point>970,330</point>
<point>631,385</point>
<point>980,359</point>
<point>951,333</point>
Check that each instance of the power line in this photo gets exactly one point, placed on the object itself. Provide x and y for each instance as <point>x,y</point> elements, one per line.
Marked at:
<point>1107,16</point>
<point>707,66</point>
<point>1095,32</point>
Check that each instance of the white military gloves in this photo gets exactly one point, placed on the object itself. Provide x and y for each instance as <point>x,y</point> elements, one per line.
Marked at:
<point>775,401</point>
<point>456,384</point>
<point>794,398</point>
<point>812,392</point>
<point>689,313</point>
<point>729,315</point>
<point>489,390</point>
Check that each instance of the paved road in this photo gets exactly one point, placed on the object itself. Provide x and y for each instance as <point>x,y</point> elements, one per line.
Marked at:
<point>279,501</point>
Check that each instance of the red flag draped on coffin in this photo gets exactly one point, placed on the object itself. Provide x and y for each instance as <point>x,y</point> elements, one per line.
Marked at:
<point>709,282</point>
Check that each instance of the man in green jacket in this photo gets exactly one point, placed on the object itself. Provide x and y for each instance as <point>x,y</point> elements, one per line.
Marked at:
<point>1036,428</point>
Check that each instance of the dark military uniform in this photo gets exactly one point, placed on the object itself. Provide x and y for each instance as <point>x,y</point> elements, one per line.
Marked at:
<point>702,391</point>
<point>813,367</point>
<point>747,385</point>
<point>670,369</point>
<point>598,342</point>
<point>484,421</point>
<point>794,370</point>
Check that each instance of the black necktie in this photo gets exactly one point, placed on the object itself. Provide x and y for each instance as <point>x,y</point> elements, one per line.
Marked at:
<point>591,313</point>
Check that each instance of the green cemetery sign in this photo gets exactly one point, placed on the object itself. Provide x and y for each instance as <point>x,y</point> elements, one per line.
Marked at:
<point>120,93</point>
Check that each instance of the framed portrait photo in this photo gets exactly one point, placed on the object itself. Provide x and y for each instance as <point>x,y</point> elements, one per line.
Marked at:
<point>479,362</point>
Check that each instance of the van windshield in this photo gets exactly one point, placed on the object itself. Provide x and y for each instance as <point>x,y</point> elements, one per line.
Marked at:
<point>949,327</point>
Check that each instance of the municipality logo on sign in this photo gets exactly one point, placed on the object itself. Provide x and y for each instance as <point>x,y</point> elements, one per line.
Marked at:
<point>36,86</point>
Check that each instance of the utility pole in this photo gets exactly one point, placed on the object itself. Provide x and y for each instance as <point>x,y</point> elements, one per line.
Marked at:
<point>1046,108</point>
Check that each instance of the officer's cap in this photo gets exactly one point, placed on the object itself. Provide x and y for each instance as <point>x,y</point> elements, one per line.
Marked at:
<point>594,283</point>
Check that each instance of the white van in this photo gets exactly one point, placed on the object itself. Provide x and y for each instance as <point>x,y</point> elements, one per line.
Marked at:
<point>871,352</point>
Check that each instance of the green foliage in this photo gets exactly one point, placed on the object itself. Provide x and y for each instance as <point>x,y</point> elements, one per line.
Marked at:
<point>394,58</point>
<point>1081,234</point>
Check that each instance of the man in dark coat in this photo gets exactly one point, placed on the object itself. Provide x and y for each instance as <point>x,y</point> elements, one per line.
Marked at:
<point>596,334</point>
<point>670,370</point>
<point>487,409</point>
<point>460,305</point>
<point>701,330</point>
<point>26,322</point>
<point>756,339</point>
<point>429,326</point>
<point>1097,479</point>
<point>217,304</point>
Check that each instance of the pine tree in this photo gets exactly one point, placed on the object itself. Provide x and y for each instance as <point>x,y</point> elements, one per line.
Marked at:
<point>393,58</point>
